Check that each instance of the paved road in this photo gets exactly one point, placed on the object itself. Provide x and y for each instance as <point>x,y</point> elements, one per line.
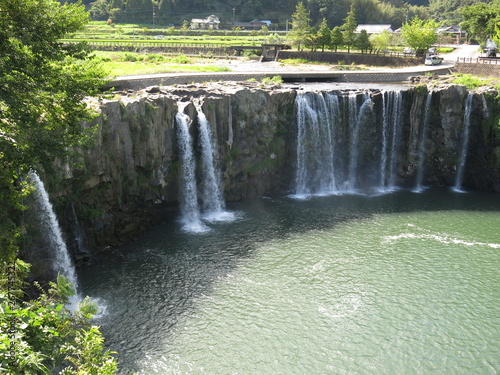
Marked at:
<point>245,69</point>
<point>463,50</point>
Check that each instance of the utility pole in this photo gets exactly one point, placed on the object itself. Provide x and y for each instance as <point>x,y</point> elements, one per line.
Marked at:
<point>234,9</point>
<point>153,13</point>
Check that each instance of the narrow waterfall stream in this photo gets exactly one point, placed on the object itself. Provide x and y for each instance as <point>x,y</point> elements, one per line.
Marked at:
<point>190,211</point>
<point>213,197</point>
<point>421,145</point>
<point>213,205</point>
<point>465,143</point>
<point>62,261</point>
<point>392,101</point>
<point>363,118</point>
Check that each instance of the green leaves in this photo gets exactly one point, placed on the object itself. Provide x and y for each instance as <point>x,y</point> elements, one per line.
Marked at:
<point>419,34</point>
<point>40,335</point>
<point>42,87</point>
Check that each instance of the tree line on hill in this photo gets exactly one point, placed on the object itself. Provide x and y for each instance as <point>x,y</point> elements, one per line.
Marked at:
<point>174,12</point>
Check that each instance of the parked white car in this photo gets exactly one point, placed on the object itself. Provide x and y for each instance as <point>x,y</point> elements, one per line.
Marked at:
<point>433,60</point>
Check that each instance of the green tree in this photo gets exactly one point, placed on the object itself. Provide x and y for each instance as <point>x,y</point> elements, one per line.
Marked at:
<point>324,35</point>
<point>381,40</point>
<point>481,20</point>
<point>349,27</point>
<point>363,42</point>
<point>337,38</point>
<point>419,34</point>
<point>300,31</point>
<point>42,86</point>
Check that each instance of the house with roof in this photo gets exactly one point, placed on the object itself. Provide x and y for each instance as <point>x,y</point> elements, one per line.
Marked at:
<point>210,23</point>
<point>454,31</point>
<point>374,28</point>
<point>252,25</point>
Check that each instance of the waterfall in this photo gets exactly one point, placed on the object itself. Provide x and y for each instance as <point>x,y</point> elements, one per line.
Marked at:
<point>465,144</point>
<point>190,212</point>
<point>397,104</point>
<point>356,120</point>
<point>391,119</point>
<point>213,201</point>
<point>315,118</point>
<point>335,157</point>
<point>62,262</point>
<point>421,144</point>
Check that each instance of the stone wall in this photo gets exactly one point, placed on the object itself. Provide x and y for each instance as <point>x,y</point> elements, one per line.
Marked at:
<point>479,69</point>
<point>352,58</point>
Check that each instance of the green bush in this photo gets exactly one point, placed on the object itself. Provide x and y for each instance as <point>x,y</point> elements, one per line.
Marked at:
<point>40,336</point>
<point>154,58</point>
<point>181,59</point>
<point>130,57</point>
<point>468,81</point>
<point>276,80</point>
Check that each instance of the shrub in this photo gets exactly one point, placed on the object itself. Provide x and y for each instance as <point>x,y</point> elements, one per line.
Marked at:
<point>154,58</point>
<point>181,59</point>
<point>130,57</point>
<point>276,80</point>
<point>468,81</point>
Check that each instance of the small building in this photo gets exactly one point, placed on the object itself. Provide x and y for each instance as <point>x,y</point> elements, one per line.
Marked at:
<point>252,25</point>
<point>373,28</point>
<point>210,23</point>
<point>454,31</point>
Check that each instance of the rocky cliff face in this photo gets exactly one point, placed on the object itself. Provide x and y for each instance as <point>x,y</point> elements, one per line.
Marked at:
<point>130,178</point>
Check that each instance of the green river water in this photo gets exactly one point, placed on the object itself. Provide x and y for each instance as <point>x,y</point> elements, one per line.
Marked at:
<point>402,283</point>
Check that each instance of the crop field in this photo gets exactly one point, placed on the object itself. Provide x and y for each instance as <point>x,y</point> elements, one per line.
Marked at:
<point>101,32</point>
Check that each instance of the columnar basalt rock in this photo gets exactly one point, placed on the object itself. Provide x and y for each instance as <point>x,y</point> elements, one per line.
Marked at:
<point>129,178</point>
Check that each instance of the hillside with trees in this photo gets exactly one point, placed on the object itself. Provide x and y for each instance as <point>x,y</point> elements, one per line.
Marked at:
<point>279,12</point>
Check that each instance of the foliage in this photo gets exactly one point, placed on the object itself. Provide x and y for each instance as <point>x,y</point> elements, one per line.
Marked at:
<point>482,20</point>
<point>324,35</point>
<point>469,81</point>
<point>381,41</point>
<point>300,27</point>
<point>337,38</point>
<point>42,84</point>
<point>349,27</point>
<point>363,42</point>
<point>449,11</point>
<point>275,80</point>
<point>41,336</point>
<point>419,34</point>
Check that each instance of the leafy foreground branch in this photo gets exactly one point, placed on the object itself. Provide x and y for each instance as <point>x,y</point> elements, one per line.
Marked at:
<point>42,86</point>
<point>41,336</point>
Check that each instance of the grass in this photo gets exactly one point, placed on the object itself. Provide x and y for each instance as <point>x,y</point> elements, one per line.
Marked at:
<point>469,81</point>
<point>275,80</point>
<point>128,63</point>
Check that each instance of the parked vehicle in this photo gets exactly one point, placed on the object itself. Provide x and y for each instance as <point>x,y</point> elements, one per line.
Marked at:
<point>433,60</point>
<point>491,52</point>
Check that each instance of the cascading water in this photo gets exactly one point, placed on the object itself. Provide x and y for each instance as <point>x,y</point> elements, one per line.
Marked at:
<point>465,144</point>
<point>315,170</point>
<point>332,156</point>
<point>392,101</point>
<point>213,201</point>
<point>421,145</point>
<point>357,120</point>
<point>62,262</point>
<point>190,211</point>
